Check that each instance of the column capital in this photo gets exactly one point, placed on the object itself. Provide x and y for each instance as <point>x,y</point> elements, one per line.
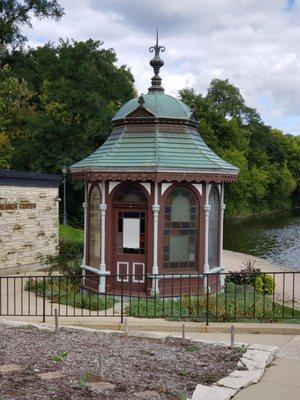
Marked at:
<point>207,207</point>
<point>102,207</point>
<point>223,206</point>
<point>155,208</point>
<point>84,206</point>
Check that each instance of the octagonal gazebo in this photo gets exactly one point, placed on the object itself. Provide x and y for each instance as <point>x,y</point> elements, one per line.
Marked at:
<point>154,198</point>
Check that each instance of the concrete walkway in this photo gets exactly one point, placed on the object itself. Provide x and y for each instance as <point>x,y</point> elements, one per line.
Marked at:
<point>16,301</point>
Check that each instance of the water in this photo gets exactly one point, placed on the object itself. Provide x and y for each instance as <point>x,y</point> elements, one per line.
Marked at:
<point>273,237</point>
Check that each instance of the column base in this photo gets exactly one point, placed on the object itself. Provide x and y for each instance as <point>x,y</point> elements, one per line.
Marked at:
<point>83,271</point>
<point>102,284</point>
<point>154,290</point>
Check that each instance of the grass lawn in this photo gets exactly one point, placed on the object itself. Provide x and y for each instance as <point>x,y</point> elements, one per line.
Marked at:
<point>71,234</point>
<point>237,303</point>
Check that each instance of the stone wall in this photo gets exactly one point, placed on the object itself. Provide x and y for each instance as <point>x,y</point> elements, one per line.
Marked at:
<point>29,232</point>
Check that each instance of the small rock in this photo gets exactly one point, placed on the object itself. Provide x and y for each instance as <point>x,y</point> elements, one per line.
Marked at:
<point>101,386</point>
<point>213,393</point>
<point>147,394</point>
<point>7,368</point>
<point>49,376</point>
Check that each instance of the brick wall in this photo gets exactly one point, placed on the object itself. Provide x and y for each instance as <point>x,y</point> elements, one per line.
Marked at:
<point>27,235</point>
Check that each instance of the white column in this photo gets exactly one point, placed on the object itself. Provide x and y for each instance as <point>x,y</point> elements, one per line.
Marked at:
<point>102,208</point>
<point>222,208</point>
<point>206,229</point>
<point>155,209</point>
<point>85,207</point>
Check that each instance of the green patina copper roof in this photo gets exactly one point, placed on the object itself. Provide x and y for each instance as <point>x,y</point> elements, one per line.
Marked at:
<point>154,151</point>
<point>159,104</point>
<point>167,141</point>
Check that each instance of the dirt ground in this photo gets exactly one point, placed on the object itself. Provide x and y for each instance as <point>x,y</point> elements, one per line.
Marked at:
<point>133,368</point>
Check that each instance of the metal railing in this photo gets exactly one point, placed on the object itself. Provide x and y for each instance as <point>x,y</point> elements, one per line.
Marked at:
<point>273,296</point>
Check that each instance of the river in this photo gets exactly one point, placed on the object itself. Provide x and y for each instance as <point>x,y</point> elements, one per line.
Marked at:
<point>274,237</point>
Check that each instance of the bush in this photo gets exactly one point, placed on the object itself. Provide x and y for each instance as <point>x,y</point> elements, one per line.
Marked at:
<point>251,276</point>
<point>68,261</point>
<point>63,291</point>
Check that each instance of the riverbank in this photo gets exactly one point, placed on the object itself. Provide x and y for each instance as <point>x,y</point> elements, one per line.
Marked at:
<point>274,238</point>
<point>287,286</point>
<point>233,261</point>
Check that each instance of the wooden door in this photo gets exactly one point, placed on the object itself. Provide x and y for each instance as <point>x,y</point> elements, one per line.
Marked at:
<point>130,249</point>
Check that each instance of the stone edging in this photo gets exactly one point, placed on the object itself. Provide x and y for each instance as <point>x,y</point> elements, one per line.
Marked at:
<point>254,361</point>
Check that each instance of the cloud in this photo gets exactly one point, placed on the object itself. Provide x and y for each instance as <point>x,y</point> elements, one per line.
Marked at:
<point>254,43</point>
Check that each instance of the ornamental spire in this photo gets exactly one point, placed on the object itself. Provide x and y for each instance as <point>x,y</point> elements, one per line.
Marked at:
<point>156,63</point>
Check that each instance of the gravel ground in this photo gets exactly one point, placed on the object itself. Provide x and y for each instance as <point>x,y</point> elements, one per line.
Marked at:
<point>138,367</point>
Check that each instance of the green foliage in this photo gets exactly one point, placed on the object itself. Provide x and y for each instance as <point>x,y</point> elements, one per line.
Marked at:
<point>71,234</point>
<point>68,261</point>
<point>236,303</point>
<point>209,377</point>
<point>66,291</point>
<point>269,161</point>
<point>261,282</point>
<point>59,357</point>
<point>14,14</point>
<point>15,108</point>
<point>78,88</point>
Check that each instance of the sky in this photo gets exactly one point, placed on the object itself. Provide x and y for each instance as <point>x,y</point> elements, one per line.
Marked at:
<point>253,43</point>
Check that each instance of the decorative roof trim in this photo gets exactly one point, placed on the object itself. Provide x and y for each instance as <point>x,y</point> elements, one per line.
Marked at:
<point>146,120</point>
<point>154,176</point>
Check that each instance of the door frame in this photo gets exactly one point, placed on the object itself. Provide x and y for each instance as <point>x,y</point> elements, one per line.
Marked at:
<point>133,259</point>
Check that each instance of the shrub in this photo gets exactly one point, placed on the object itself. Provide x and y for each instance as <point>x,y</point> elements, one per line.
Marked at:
<point>68,261</point>
<point>251,276</point>
<point>62,290</point>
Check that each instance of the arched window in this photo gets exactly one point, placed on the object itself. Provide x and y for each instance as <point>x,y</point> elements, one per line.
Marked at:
<point>94,228</point>
<point>181,229</point>
<point>213,228</point>
<point>129,195</point>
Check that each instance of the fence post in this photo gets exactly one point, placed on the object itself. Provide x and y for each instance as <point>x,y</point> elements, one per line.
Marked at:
<point>232,330</point>
<point>207,299</point>
<point>44,298</point>
<point>56,321</point>
<point>122,299</point>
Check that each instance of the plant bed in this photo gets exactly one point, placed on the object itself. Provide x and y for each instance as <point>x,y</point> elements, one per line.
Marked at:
<point>65,290</point>
<point>133,367</point>
<point>236,303</point>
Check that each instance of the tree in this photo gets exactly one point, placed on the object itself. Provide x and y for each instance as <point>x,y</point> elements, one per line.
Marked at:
<point>269,161</point>
<point>15,109</point>
<point>14,14</point>
<point>78,89</point>
<point>227,100</point>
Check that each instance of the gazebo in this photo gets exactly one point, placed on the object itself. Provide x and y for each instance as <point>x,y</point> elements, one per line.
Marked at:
<point>154,198</point>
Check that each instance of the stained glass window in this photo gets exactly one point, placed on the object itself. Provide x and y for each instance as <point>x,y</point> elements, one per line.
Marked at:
<point>213,228</point>
<point>132,194</point>
<point>94,228</point>
<point>181,229</point>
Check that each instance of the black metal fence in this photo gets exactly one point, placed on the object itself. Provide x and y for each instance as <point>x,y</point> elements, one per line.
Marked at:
<point>273,296</point>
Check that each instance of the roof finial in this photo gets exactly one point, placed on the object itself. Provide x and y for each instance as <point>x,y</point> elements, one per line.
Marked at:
<point>156,63</point>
